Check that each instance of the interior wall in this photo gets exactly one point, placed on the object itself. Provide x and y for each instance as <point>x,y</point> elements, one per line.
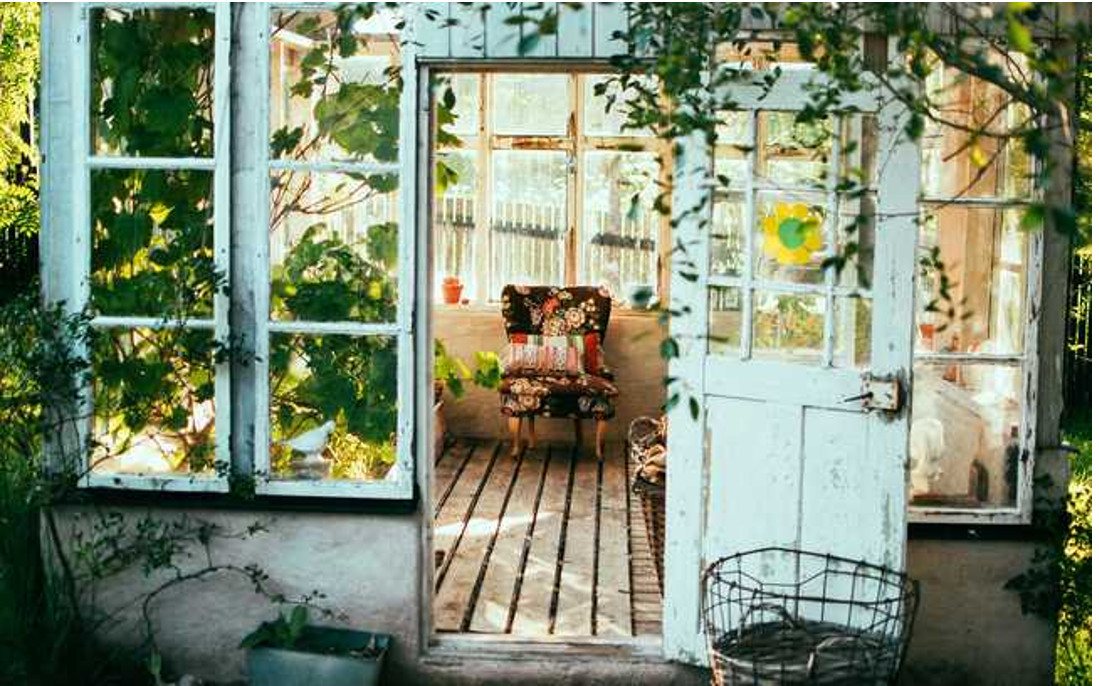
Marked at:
<point>632,351</point>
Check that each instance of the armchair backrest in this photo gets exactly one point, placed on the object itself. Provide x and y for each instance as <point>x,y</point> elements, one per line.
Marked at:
<point>553,311</point>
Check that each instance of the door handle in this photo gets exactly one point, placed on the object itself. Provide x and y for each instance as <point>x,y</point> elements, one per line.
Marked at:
<point>879,393</point>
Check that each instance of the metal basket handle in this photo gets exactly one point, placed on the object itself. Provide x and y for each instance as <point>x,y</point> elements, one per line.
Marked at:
<point>780,610</point>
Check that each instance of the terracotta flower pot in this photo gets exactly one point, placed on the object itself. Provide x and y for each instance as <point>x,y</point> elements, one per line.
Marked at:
<point>452,290</point>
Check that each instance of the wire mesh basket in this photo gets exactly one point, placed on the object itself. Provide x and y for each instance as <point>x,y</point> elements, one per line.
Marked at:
<point>643,434</point>
<point>779,616</point>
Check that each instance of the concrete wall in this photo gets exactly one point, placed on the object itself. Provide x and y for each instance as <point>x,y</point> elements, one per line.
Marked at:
<point>632,350</point>
<point>969,630</point>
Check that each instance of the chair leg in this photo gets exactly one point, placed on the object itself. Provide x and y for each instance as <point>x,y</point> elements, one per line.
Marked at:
<point>578,432</point>
<point>514,425</point>
<point>600,431</point>
<point>531,440</point>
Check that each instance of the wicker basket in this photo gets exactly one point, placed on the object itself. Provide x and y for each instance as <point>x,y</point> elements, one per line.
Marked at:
<point>643,434</point>
<point>778,616</point>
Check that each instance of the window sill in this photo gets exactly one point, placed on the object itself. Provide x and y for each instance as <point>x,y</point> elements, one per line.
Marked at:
<point>227,502</point>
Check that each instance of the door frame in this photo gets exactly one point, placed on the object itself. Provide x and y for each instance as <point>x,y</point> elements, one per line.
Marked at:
<point>446,648</point>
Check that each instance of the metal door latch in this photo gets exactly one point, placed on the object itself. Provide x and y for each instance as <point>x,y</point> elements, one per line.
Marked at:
<point>879,393</point>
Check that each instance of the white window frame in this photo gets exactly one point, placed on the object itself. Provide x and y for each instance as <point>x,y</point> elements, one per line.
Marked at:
<point>87,162</point>
<point>1026,360</point>
<point>576,144</point>
<point>398,484</point>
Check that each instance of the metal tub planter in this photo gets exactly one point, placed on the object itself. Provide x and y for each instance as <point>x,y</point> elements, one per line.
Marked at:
<point>289,652</point>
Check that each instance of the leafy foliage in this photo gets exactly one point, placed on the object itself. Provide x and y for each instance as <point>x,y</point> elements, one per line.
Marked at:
<point>281,632</point>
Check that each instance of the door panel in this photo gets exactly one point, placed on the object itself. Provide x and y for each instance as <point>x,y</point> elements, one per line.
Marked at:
<point>777,351</point>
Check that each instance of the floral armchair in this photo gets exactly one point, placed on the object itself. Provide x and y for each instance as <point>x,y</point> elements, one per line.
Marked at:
<point>554,365</point>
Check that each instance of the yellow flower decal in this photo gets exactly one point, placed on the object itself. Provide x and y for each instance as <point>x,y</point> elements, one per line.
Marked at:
<point>792,233</point>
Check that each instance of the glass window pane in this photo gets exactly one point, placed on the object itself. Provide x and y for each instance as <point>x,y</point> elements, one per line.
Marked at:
<point>853,319</point>
<point>990,166</point>
<point>727,235</point>
<point>152,82</point>
<point>154,401</point>
<point>726,313</point>
<point>333,406</point>
<point>964,441</point>
<point>600,122</point>
<point>794,153</point>
<point>530,104</point>
<point>333,247</point>
<point>465,114</point>
<point>984,256</point>
<point>733,129</point>
<point>455,217</point>
<point>335,84</point>
<point>621,227</point>
<point>528,219</point>
<point>791,237</point>
<point>788,327</point>
<point>152,243</point>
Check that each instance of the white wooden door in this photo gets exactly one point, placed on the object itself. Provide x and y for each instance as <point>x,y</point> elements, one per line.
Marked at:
<point>775,440</point>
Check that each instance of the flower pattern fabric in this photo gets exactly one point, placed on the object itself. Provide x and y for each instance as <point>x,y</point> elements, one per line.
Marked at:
<point>531,311</point>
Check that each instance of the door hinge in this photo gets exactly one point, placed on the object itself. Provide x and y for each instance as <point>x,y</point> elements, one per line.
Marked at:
<point>879,393</point>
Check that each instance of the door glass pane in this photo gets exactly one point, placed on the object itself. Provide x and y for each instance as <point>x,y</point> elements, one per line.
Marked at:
<point>335,86</point>
<point>984,256</point>
<point>788,327</point>
<point>530,104</point>
<point>528,218</point>
<point>152,82</point>
<point>853,319</point>
<point>455,216</point>
<point>621,227</point>
<point>727,235</point>
<point>726,313</point>
<point>964,441</point>
<point>333,247</point>
<point>856,235</point>
<point>791,235</point>
<point>152,243</point>
<point>793,152</point>
<point>153,395</point>
<point>333,406</point>
<point>600,122</point>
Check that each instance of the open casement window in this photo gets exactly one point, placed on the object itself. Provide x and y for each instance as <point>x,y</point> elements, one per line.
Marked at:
<point>335,335</point>
<point>972,440</point>
<point>539,184</point>
<point>153,194</point>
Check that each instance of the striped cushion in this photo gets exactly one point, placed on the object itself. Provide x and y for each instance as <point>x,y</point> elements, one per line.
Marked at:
<point>530,354</point>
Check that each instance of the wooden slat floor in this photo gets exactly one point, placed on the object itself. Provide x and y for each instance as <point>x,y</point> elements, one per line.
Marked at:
<point>551,543</point>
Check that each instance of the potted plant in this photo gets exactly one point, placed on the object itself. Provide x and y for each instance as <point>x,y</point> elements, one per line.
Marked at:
<point>288,650</point>
<point>452,290</point>
<point>451,373</point>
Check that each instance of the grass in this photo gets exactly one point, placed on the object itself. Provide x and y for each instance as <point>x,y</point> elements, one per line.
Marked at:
<point>1073,666</point>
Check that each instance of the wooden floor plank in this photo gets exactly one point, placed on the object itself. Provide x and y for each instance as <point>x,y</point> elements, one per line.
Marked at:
<point>449,468</point>
<point>493,608</point>
<point>612,617</point>
<point>455,513</point>
<point>458,591</point>
<point>574,616</point>
<point>533,607</point>
<point>501,555</point>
